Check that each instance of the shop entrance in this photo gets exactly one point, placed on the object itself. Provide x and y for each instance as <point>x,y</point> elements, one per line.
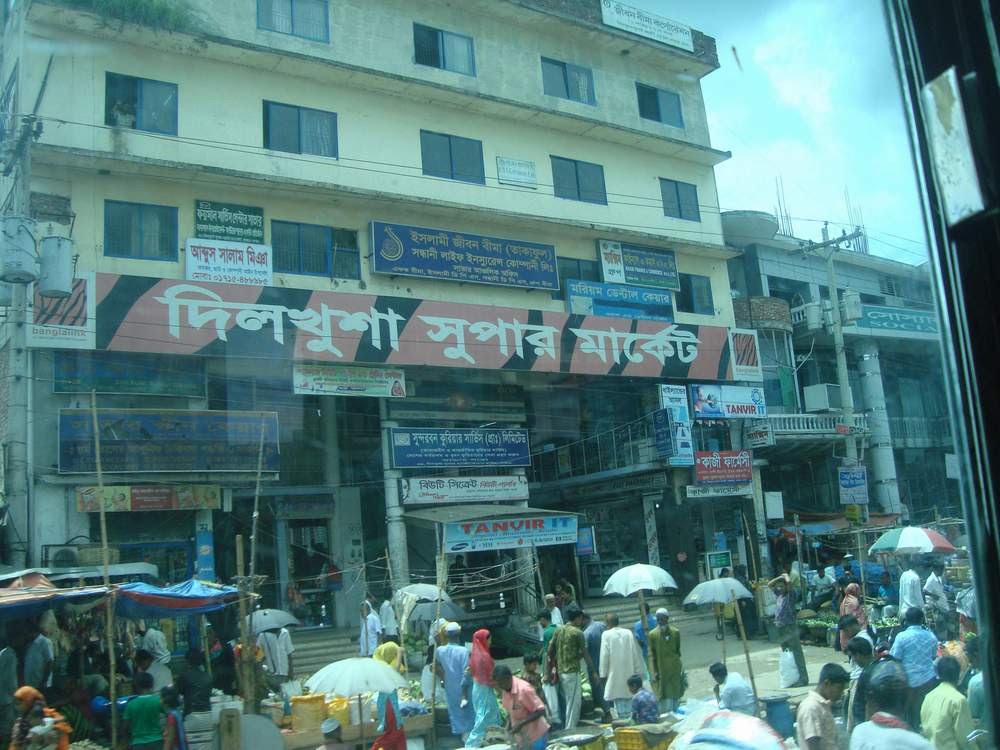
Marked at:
<point>313,576</point>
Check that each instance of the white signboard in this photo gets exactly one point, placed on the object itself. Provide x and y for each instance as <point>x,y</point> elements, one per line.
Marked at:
<point>774,506</point>
<point>719,490</point>
<point>674,397</point>
<point>649,518</point>
<point>710,401</point>
<point>757,433</point>
<point>951,466</point>
<point>428,490</point>
<point>509,532</point>
<point>228,262</point>
<point>63,322</point>
<point>853,481</point>
<point>612,262</point>
<point>649,25</point>
<point>330,380</point>
<point>516,172</point>
<point>744,353</point>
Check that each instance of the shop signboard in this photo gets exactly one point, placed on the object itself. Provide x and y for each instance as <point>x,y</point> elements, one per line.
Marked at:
<point>853,483</point>
<point>622,263</point>
<point>741,489</point>
<point>155,441</point>
<point>723,467</point>
<point>744,348</point>
<point>509,532</point>
<point>330,380</point>
<point>675,398</point>
<point>433,490</point>
<point>655,480</point>
<point>63,322</point>
<point>727,401</point>
<point>646,24</point>
<point>122,373</point>
<point>228,262</point>
<point>436,447</point>
<point>586,543</point>
<point>325,327</point>
<point>774,506</point>
<point>618,301</point>
<point>516,172</point>
<point>403,250</point>
<point>120,498</point>
<point>308,506</point>
<point>663,433</point>
<point>757,433</point>
<point>204,544</point>
<point>899,320</point>
<point>228,221</point>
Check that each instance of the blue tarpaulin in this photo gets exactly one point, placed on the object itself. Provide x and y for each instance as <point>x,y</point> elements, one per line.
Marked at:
<point>139,600</point>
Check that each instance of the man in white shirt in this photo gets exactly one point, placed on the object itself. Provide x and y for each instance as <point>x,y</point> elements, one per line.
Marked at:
<point>387,616</point>
<point>620,658</point>
<point>910,590</point>
<point>278,649</point>
<point>371,630</point>
<point>153,641</point>
<point>162,677</point>
<point>938,609</point>
<point>732,691</point>
<point>554,612</point>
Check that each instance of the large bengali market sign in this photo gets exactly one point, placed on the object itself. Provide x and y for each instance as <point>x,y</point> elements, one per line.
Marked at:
<point>228,262</point>
<point>151,440</point>
<point>618,301</point>
<point>228,221</point>
<point>899,321</point>
<point>439,447</point>
<point>723,467</point>
<point>329,380</point>
<point>403,250</point>
<point>509,533</point>
<point>432,490</point>
<point>622,263</point>
<point>727,402</point>
<point>186,317</point>
<point>139,497</point>
<point>649,25</point>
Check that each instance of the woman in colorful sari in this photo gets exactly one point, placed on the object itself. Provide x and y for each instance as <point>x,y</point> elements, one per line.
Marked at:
<point>484,699</point>
<point>32,712</point>
<point>851,605</point>
<point>388,653</point>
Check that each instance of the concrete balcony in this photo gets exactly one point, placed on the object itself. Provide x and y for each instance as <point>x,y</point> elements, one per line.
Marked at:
<point>817,425</point>
<point>920,432</point>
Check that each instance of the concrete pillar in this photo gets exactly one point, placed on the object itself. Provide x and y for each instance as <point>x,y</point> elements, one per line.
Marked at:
<point>759,525</point>
<point>881,461</point>
<point>331,443</point>
<point>395,526</point>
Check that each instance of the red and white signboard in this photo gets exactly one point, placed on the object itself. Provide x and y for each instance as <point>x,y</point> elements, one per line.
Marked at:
<point>723,467</point>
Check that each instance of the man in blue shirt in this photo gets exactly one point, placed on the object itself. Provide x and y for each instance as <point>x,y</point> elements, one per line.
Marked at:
<point>640,634</point>
<point>916,648</point>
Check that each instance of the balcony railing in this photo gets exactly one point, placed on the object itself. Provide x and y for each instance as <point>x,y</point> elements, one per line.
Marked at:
<point>625,446</point>
<point>920,432</point>
<point>828,425</point>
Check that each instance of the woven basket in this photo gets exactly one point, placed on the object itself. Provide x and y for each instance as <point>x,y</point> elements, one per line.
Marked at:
<point>632,739</point>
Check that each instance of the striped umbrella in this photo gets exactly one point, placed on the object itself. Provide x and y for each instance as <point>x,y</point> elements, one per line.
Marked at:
<point>911,540</point>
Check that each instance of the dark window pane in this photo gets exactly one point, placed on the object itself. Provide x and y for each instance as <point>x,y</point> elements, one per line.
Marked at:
<point>121,100</point>
<point>285,243</point>
<point>591,181</point>
<point>121,229</point>
<point>315,249</point>
<point>671,202</point>
<point>281,127</point>
<point>701,295</point>
<point>670,109</point>
<point>158,107</point>
<point>275,15</point>
<point>688,198</point>
<point>159,227</point>
<point>467,160</point>
<point>309,19</point>
<point>649,103</point>
<point>564,178</point>
<point>580,84</point>
<point>589,271</point>
<point>554,78</point>
<point>319,132</point>
<point>346,264</point>
<point>427,45</point>
<point>435,152</point>
<point>458,54</point>
<point>345,239</point>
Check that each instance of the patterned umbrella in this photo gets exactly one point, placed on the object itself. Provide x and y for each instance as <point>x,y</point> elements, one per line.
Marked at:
<point>910,540</point>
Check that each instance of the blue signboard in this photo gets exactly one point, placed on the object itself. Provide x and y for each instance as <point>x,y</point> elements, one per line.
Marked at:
<point>622,263</point>
<point>149,440</point>
<point>402,250</point>
<point>663,431</point>
<point>898,320</point>
<point>434,447</point>
<point>586,544</point>
<point>127,372</point>
<point>619,301</point>
<point>853,481</point>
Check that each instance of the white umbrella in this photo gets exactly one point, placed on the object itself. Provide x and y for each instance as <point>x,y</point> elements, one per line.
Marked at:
<point>360,674</point>
<point>637,578</point>
<point>718,591</point>
<point>422,592</point>
<point>270,619</point>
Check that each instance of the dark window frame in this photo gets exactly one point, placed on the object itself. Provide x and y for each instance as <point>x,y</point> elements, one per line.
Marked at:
<point>687,299</point>
<point>172,241</point>
<point>675,204</point>
<point>659,94</point>
<point>330,255</point>
<point>299,111</point>
<point>326,23</point>
<point>567,70</point>
<point>593,273</point>
<point>140,84</point>
<point>442,63</point>
<point>577,193</point>
<point>450,173</point>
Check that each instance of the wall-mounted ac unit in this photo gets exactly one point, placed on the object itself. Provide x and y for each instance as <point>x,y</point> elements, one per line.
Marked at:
<point>62,556</point>
<point>822,397</point>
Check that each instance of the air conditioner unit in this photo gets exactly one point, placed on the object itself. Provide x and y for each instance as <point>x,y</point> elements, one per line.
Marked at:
<point>822,397</point>
<point>62,556</point>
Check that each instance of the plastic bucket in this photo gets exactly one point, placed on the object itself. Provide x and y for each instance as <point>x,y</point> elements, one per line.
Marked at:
<point>778,714</point>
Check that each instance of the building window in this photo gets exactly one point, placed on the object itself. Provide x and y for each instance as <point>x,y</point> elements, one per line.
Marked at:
<point>680,200</point>
<point>695,295</point>
<point>574,268</point>
<point>140,104</point>
<point>578,180</point>
<point>299,130</point>
<point>140,230</point>
<point>568,81</point>
<point>452,157</point>
<point>888,286</point>
<point>314,250</point>
<point>308,19</point>
<point>657,104</point>
<point>443,49</point>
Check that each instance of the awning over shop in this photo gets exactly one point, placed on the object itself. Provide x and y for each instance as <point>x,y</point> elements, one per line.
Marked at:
<point>18,602</point>
<point>139,600</point>
<point>480,528</point>
<point>831,524</point>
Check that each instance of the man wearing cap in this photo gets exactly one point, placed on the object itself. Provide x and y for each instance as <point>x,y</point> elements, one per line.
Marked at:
<point>665,661</point>
<point>331,736</point>
<point>452,661</point>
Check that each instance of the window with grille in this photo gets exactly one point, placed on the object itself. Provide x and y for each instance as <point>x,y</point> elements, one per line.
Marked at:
<point>140,230</point>
<point>308,19</point>
<point>568,81</point>
<point>313,250</point>
<point>888,286</point>
<point>443,49</point>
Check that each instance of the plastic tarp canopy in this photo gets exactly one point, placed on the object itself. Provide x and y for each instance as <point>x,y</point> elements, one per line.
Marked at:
<point>140,600</point>
<point>16,603</point>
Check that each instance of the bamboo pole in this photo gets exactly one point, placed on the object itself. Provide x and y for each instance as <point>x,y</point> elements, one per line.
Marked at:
<point>244,663</point>
<point>252,581</point>
<point>109,607</point>
<point>746,648</point>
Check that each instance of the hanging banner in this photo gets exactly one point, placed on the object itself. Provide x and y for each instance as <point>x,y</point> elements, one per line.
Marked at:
<point>327,380</point>
<point>64,322</point>
<point>140,497</point>
<point>433,490</point>
<point>435,447</point>
<point>228,221</point>
<point>745,351</point>
<point>675,398</point>
<point>853,483</point>
<point>510,533</point>
<point>723,467</point>
<point>622,263</point>
<point>743,489</point>
<point>228,262</point>
<point>727,401</point>
<point>649,503</point>
<point>618,301</point>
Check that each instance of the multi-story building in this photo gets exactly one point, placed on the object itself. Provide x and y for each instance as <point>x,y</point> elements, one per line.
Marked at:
<point>264,192</point>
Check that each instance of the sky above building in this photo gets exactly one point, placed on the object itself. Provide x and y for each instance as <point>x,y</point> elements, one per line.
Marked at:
<point>807,91</point>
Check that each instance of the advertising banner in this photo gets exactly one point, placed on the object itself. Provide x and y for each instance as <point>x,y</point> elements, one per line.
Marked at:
<point>644,23</point>
<point>168,316</point>
<point>757,433</point>
<point>228,262</point>
<point>745,351</point>
<point>63,322</point>
<point>719,490</point>
<point>723,467</point>
<point>622,263</point>
<point>853,483</point>
<point>727,402</point>
<point>328,380</point>
<point>675,398</point>
<point>663,433</point>
<point>618,301</point>
<point>509,533</point>
<point>150,440</point>
<point>135,497</point>
<point>436,447</point>
<point>586,543</point>
<point>403,250</point>
<point>432,490</point>
<point>117,372</point>
<point>228,221</point>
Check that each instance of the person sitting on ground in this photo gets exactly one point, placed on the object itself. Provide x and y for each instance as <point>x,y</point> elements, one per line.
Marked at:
<point>815,729</point>
<point>331,736</point>
<point>645,707</point>
<point>944,714</point>
<point>886,702</point>
<point>174,736</point>
<point>732,691</point>
<point>195,685</point>
<point>142,716</point>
